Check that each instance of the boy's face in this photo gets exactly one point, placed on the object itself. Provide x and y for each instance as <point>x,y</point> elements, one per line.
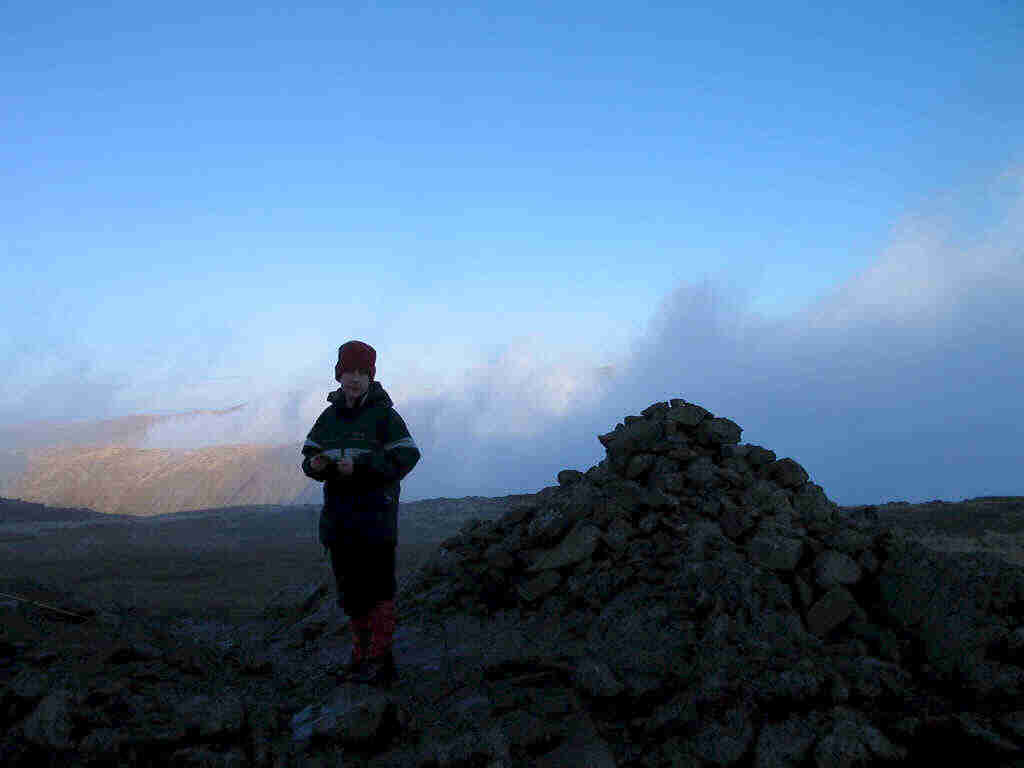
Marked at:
<point>355,383</point>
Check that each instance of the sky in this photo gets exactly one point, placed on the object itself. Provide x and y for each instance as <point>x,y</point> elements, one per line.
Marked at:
<point>544,217</point>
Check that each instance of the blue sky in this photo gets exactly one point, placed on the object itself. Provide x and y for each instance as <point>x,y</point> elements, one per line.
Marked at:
<point>198,203</point>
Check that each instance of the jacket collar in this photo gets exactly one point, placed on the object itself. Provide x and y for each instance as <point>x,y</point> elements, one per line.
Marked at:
<point>375,395</point>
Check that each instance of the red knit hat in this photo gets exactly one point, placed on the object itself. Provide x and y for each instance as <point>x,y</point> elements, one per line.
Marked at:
<point>353,355</point>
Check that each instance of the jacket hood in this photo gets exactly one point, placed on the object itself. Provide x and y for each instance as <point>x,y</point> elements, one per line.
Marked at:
<point>375,395</point>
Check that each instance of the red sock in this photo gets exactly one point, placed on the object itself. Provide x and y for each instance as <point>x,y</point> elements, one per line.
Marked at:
<point>383,622</point>
<point>361,631</point>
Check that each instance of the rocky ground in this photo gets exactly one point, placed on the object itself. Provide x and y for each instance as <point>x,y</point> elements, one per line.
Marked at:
<point>690,601</point>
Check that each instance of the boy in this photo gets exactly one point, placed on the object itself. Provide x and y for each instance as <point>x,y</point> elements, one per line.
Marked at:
<point>361,449</point>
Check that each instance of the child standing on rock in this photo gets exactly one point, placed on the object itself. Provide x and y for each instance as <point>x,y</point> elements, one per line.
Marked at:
<point>361,449</point>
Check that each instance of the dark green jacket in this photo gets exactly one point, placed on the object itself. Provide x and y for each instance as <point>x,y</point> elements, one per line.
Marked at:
<point>363,506</point>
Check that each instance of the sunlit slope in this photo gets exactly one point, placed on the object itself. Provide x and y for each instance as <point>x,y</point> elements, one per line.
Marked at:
<point>110,470</point>
<point>125,479</point>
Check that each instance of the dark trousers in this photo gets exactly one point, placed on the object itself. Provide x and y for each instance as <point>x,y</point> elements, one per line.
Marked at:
<point>365,575</point>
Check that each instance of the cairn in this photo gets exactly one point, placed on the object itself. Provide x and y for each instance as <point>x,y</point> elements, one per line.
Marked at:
<point>712,606</point>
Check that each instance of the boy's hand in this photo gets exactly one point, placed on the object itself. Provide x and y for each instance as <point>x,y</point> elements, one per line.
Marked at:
<point>319,463</point>
<point>345,466</point>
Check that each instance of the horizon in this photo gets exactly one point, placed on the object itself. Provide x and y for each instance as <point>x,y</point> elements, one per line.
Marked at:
<point>807,220</point>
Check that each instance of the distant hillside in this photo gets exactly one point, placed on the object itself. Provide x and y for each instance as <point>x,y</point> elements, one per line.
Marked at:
<point>106,466</point>
<point>121,478</point>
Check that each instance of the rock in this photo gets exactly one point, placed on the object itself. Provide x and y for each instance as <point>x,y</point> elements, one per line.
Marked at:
<point>618,534</point>
<point>882,639</point>
<point>639,466</point>
<point>834,568</point>
<point>366,724</point>
<point>872,679</point>
<point>785,743</point>
<point>490,748</point>
<point>50,724</point>
<point>735,520</point>
<point>852,742</point>
<point>583,746</point>
<point>834,607</point>
<point>677,714</point>
<point>579,545</point>
<point>723,742</point>
<point>813,508</point>
<point>102,741</point>
<point>30,685</point>
<point>125,654</point>
<point>670,482</point>
<point>593,677</point>
<point>779,553</point>
<point>569,477</point>
<point>527,732</point>
<point>787,473</point>
<point>547,528</point>
<point>789,687</point>
<point>212,716</point>
<point>758,456</point>
<point>700,473</point>
<point>536,588</point>
<point>717,431</point>
<point>631,439</point>
<point>776,505</point>
<point>687,415</point>
<point>655,409</point>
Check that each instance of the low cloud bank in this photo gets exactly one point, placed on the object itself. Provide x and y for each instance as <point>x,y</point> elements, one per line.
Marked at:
<point>904,383</point>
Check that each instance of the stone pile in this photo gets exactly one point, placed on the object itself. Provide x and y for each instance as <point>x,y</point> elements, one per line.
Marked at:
<point>711,606</point>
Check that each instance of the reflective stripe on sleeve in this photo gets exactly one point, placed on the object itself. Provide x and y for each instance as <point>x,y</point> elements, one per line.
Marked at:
<point>342,453</point>
<point>405,442</point>
<point>310,444</point>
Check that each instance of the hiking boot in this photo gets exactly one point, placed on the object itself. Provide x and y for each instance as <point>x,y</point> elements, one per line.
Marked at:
<point>379,671</point>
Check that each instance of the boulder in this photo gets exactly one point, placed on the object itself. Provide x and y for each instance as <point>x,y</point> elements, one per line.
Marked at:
<point>787,473</point>
<point>852,741</point>
<point>834,607</point>
<point>50,723</point>
<point>569,477</point>
<point>779,553</point>
<point>834,568</point>
<point>577,546</point>
<point>786,743</point>
<point>718,431</point>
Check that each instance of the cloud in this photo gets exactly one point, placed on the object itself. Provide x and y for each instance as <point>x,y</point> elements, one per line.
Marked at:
<point>507,424</point>
<point>902,383</point>
<point>58,384</point>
